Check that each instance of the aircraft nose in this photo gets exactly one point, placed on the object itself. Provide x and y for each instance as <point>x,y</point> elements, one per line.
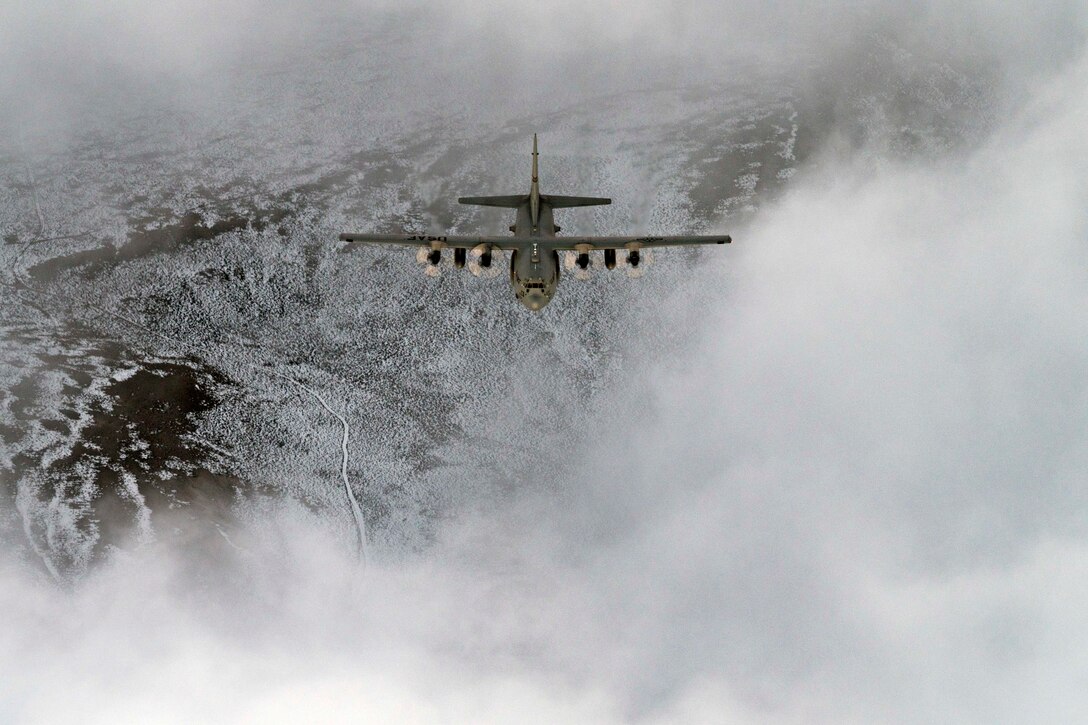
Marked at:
<point>535,301</point>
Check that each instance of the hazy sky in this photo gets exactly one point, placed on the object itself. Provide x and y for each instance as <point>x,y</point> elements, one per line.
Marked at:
<point>861,497</point>
<point>63,65</point>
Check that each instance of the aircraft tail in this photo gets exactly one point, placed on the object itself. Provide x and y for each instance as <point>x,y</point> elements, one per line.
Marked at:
<point>509,202</point>
<point>552,200</point>
<point>565,202</point>
<point>534,198</point>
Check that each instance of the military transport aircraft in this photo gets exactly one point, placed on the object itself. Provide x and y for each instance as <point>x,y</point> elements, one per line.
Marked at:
<point>534,248</point>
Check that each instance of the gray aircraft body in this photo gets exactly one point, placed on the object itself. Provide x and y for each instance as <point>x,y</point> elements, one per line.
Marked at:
<point>534,248</point>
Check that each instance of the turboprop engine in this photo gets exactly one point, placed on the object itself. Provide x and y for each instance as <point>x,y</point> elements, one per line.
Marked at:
<point>581,262</point>
<point>578,263</point>
<point>430,258</point>
<point>482,262</point>
<point>636,260</point>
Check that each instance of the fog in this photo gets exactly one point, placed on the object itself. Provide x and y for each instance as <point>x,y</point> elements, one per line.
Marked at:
<point>857,496</point>
<point>66,70</point>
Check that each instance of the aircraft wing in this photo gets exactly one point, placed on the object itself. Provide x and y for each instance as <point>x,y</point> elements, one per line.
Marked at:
<point>438,241</point>
<point>581,243</point>
<point>556,243</point>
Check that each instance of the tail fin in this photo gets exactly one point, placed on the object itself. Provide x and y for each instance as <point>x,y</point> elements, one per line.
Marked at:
<point>534,190</point>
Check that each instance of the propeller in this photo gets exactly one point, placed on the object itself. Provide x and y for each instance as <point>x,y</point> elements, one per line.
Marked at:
<point>485,261</point>
<point>430,259</point>
<point>635,261</point>
<point>579,264</point>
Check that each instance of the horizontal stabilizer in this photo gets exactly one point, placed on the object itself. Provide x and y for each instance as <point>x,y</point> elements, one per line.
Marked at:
<point>564,202</point>
<point>508,202</point>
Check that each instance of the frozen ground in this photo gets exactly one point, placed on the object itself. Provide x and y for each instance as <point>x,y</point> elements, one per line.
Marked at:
<point>183,330</point>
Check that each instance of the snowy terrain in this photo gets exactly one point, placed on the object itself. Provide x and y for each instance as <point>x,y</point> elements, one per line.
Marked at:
<point>178,306</point>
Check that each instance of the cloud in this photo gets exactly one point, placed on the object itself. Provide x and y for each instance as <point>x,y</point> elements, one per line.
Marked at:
<point>867,479</point>
<point>67,70</point>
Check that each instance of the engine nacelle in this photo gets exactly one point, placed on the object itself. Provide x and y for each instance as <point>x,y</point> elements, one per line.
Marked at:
<point>610,258</point>
<point>633,259</point>
<point>582,260</point>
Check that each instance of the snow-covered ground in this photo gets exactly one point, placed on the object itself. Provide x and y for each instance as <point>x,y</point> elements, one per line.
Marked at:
<point>217,252</point>
<point>169,241</point>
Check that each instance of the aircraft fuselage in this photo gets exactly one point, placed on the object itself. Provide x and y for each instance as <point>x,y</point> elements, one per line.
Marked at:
<point>534,273</point>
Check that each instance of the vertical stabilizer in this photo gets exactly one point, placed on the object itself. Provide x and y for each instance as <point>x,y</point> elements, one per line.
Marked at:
<point>534,190</point>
